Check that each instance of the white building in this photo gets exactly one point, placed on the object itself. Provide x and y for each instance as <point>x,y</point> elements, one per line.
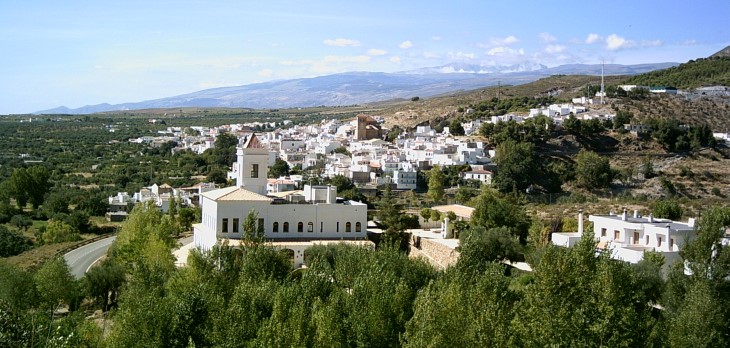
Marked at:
<point>484,176</point>
<point>628,237</point>
<point>315,215</point>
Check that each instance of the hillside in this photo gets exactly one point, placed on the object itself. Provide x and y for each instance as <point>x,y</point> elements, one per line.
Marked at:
<point>562,87</point>
<point>713,71</point>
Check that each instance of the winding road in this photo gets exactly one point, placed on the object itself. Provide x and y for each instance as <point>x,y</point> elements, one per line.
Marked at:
<point>79,260</point>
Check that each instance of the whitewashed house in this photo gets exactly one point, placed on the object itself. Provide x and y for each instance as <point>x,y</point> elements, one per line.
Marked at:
<point>293,223</point>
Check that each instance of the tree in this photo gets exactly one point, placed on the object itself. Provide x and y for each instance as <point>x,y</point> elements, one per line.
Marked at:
<point>38,185</point>
<point>216,175</point>
<point>12,243</point>
<point>425,213</point>
<point>701,321</point>
<point>224,153</point>
<point>103,282</point>
<point>390,217</point>
<point>516,166</point>
<point>279,169</point>
<point>436,184</point>
<point>455,127</point>
<point>56,203</point>
<point>21,222</point>
<point>480,246</point>
<point>186,217</point>
<point>56,285</point>
<point>253,232</point>
<point>58,231</point>
<point>592,171</point>
<point>492,210</point>
<point>144,226</point>
<point>667,209</point>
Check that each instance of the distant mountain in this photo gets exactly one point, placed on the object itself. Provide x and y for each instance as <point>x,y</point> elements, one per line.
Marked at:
<point>362,87</point>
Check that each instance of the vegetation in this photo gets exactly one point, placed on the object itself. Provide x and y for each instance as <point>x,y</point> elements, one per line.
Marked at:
<point>695,73</point>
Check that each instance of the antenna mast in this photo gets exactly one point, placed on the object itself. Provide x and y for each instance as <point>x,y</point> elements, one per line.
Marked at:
<point>602,90</point>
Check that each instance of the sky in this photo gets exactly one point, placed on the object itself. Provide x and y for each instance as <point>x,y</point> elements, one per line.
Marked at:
<point>77,53</point>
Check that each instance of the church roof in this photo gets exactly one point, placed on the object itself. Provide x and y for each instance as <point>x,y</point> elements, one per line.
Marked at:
<point>235,193</point>
<point>252,142</point>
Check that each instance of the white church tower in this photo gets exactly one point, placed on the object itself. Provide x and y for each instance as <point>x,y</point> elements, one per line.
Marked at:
<point>252,165</point>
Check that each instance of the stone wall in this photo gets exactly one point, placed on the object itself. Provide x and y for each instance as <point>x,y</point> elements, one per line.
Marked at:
<point>434,252</point>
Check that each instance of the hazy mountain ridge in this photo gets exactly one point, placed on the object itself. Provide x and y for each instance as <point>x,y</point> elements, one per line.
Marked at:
<point>358,87</point>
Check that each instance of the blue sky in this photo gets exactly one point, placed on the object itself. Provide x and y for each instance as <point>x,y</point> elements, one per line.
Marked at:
<point>75,53</point>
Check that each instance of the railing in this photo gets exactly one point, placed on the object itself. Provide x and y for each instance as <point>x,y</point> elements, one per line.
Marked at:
<point>82,243</point>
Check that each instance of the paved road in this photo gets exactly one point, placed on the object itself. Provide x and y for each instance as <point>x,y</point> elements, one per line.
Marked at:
<point>79,260</point>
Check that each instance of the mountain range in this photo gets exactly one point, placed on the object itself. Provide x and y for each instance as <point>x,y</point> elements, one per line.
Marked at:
<point>364,87</point>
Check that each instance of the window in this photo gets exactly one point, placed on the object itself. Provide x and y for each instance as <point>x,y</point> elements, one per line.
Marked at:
<point>275,228</point>
<point>348,227</point>
<point>671,243</point>
<point>261,225</point>
<point>235,225</point>
<point>286,227</point>
<point>646,240</point>
<point>224,225</point>
<point>300,227</point>
<point>603,232</point>
<point>321,226</point>
<point>659,242</point>
<point>358,227</point>
<point>310,227</point>
<point>636,237</point>
<point>616,234</point>
<point>255,170</point>
<point>338,226</point>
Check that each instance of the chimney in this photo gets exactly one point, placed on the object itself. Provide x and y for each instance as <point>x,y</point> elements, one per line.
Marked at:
<point>580,221</point>
<point>691,222</point>
<point>636,213</point>
<point>651,217</point>
<point>624,216</point>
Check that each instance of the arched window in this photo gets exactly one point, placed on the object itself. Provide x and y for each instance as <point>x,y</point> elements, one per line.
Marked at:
<point>358,227</point>
<point>310,227</point>
<point>348,227</point>
<point>276,227</point>
<point>286,227</point>
<point>300,227</point>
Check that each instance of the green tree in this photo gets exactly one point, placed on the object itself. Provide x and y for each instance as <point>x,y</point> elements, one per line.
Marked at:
<point>21,222</point>
<point>455,127</point>
<point>12,243</point>
<point>390,217</point>
<point>279,169</point>
<point>425,213</point>
<point>103,282</point>
<point>701,320</point>
<point>492,210</point>
<point>144,226</point>
<point>592,171</point>
<point>480,246</point>
<point>56,285</point>
<point>253,232</point>
<point>667,209</point>
<point>516,166</point>
<point>58,231</point>
<point>436,180</point>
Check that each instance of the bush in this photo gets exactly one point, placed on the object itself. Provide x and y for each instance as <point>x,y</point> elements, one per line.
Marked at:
<point>12,243</point>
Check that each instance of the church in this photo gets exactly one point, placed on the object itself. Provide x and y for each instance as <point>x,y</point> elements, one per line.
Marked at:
<point>292,221</point>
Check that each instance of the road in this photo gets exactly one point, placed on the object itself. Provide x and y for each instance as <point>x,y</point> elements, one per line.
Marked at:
<point>79,260</point>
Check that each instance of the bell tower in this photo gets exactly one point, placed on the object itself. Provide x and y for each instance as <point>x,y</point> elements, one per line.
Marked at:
<point>253,159</point>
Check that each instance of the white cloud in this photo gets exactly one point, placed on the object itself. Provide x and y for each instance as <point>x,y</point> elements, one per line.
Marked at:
<point>505,51</point>
<point>689,42</point>
<point>461,55</point>
<point>266,73</point>
<point>499,42</point>
<point>376,52</point>
<point>394,59</point>
<point>615,43</point>
<point>554,48</point>
<point>347,59</point>
<point>547,38</point>
<point>652,43</point>
<point>430,55</point>
<point>340,42</point>
<point>405,45</point>
<point>593,38</point>
<point>436,38</point>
